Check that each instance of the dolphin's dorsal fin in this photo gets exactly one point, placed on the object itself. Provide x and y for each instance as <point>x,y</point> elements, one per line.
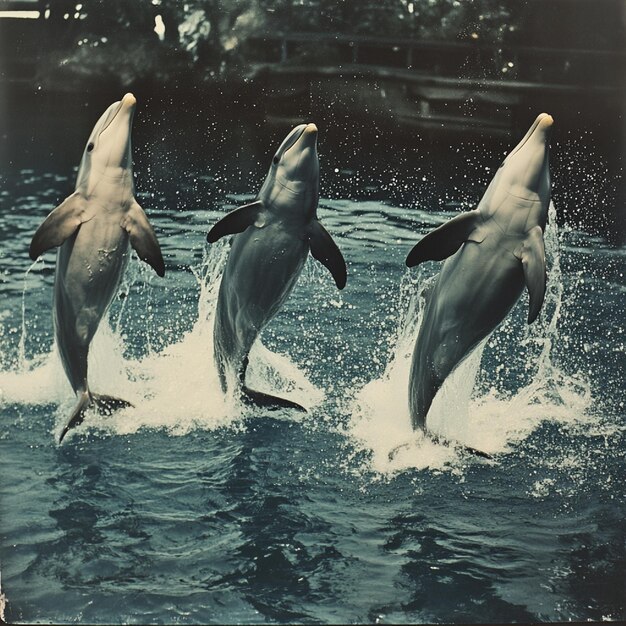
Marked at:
<point>325,250</point>
<point>142,238</point>
<point>60,224</point>
<point>532,253</point>
<point>236,221</point>
<point>445,240</point>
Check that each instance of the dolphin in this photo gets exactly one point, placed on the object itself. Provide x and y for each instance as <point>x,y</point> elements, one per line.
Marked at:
<point>491,253</point>
<point>92,229</point>
<point>273,236</point>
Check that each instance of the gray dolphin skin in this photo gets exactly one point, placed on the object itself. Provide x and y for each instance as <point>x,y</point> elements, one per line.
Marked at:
<point>273,236</point>
<point>491,252</point>
<point>93,228</point>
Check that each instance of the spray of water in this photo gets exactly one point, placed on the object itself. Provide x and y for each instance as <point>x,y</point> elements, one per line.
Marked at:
<point>494,421</point>
<point>3,601</point>
<point>21,349</point>
<point>176,389</point>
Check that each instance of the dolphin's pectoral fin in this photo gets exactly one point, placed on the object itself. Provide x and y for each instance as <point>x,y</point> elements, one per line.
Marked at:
<point>325,250</point>
<point>533,256</point>
<point>107,405</point>
<point>59,225</point>
<point>445,240</point>
<point>266,401</point>
<point>78,414</point>
<point>142,238</point>
<point>236,221</point>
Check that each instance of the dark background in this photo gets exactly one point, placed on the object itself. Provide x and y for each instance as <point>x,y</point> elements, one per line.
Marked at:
<point>416,101</point>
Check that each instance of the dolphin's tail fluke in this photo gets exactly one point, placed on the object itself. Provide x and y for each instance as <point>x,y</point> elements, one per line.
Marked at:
<point>446,442</point>
<point>457,444</point>
<point>78,414</point>
<point>106,405</point>
<point>266,401</point>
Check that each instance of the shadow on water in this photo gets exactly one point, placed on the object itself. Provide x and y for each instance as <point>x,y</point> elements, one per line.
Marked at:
<point>93,538</point>
<point>436,570</point>
<point>277,569</point>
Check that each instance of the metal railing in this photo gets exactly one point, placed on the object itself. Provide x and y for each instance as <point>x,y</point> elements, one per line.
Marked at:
<point>466,59</point>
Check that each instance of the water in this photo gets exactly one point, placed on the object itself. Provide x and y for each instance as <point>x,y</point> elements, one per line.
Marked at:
<point>189,509</point>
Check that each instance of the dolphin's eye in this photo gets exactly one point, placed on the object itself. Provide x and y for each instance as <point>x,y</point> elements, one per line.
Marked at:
<point>90,146</point>
<point>275,160</point>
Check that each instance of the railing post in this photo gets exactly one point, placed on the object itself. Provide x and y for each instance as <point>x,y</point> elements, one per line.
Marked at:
<point>283,50</point>
<point>355,52</point>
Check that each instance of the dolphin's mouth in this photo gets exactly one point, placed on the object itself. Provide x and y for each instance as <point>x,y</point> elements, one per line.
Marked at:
<point>300,134</point>
<point>307,136</point>
<point>127,101</point>
<point>540,118</point>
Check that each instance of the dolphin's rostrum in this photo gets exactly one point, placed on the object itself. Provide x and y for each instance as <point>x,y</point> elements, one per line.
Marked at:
<point>491,252</point>
<point>273,236</point>
<point>93,228</point>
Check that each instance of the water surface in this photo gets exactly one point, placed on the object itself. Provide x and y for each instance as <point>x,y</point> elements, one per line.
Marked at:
<point>188,509</point>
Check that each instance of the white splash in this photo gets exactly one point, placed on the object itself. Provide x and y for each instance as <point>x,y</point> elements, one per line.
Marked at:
<point>22,344</point>
<point>3,602</point>
<point>493,422</point>
<point>176,389</point>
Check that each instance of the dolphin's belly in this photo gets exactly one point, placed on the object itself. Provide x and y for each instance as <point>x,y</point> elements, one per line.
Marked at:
<point>262,269</point>
<point>89,269</point>
<point>476,289</point>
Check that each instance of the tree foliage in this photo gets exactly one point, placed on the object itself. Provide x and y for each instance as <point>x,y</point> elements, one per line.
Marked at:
<point>209,34</point>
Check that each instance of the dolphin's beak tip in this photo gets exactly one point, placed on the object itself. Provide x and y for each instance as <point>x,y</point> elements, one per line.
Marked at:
<point>546,120</point>
<point>310,128</point>
<point>129,99</point>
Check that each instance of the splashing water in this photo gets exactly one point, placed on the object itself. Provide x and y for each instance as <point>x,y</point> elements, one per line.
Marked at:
<point>294,520</point>
<point>492,422</point>
<point>3,601</point>
<point>21,349</point>
<point>177,388</point>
